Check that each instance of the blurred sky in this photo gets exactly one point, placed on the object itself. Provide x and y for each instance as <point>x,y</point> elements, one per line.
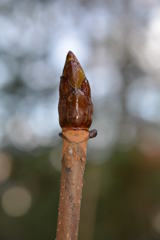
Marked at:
<point>117,43</point>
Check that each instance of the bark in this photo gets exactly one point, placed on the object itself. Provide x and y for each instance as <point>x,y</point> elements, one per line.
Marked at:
<point>73,166</point>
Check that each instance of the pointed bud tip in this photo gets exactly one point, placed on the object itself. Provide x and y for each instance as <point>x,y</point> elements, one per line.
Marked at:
<point>73,71</point>
<point>70,53</point>
<point>71,57</point>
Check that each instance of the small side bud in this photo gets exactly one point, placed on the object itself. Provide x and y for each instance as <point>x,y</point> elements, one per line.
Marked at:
<point>93,133</point>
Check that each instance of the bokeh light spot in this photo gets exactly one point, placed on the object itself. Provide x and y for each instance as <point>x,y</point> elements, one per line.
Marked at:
<point>66,42</point>
<point>16,201</point>
<point>156,222</point>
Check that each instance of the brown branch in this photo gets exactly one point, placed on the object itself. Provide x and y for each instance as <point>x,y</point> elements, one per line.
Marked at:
<point>75,117</point>
<point>73,165</point>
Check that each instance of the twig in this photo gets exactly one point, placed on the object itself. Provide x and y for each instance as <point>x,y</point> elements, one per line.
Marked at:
<point>75,117</point>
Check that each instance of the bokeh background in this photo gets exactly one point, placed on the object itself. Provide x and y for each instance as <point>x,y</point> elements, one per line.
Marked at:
<point>118,44</point>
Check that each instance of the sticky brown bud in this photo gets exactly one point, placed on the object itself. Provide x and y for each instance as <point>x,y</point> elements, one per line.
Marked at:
<point>75,105</point>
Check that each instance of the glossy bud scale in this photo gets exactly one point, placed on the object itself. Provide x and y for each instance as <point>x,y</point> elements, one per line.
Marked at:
<point>75,106</point>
